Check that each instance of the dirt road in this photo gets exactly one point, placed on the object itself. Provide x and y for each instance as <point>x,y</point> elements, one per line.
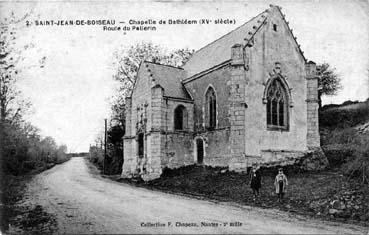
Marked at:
<point>86,203</point>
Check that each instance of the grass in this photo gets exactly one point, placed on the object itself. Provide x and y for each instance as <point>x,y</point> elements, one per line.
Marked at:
<point>308,193</point>
<point>344,116</point>
<point>338,194</point>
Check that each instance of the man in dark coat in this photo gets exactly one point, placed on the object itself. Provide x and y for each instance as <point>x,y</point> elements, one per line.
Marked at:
<point>255,180</point>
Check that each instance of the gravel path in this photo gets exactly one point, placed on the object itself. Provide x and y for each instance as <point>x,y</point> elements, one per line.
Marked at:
<point>87,203</point>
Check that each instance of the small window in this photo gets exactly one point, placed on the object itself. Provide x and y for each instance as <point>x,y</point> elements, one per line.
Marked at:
<point>211,108</point>
<point>180,118</point>
<point>275,27</point>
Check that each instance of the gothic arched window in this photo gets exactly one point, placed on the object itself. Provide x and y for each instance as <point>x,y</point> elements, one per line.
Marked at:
<point>180,118</point>
<point>211,108</point>
<point>277,106</point>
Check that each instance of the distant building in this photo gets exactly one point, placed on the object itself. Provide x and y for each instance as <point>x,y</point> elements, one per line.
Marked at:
<point>249,96</point>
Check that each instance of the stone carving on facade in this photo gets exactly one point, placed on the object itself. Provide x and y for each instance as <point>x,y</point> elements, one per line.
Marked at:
<point>277,74</point>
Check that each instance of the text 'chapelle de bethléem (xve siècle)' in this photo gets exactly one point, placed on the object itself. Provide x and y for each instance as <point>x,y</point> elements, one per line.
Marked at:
<point>131,25</point>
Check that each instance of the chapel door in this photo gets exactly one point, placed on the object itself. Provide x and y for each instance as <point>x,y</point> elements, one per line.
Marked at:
<point>200,151</point>
<point>141,145</point>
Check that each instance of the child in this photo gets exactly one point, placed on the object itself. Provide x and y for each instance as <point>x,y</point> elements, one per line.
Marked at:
<point>280,184</point>
<point>255,180</point>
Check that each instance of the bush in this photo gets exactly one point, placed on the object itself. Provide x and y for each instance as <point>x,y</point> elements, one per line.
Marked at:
<point>341,145</point>
<point>347,136</point>
<point>338,154</point>
<point>29,165</point>
<point>348,149</point>
<point>344,116</point>
<point>359,166</point>
<point>97,156</point>
<point>24,150</point>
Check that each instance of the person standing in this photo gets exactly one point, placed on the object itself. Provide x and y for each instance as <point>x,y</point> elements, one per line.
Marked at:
<point>280,184</point>
<point>255,180</point>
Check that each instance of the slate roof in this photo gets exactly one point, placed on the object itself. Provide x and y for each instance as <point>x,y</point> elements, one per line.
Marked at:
<point>219,50</point>
<point>169,78</point>
<point>213,54</point>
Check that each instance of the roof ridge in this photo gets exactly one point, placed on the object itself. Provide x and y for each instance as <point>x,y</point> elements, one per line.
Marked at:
<point>257,28</point>
<point>171,66</point>
<point>266,10</point>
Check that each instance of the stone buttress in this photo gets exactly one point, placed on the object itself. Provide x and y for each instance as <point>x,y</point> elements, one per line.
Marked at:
<point>130,162</point>
<point>237,110</point>
<point>155,138</point>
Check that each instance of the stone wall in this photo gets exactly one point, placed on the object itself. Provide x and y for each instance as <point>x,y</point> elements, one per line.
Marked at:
<point>270,47</point>
<point>170,105</point>
<point>178,144</point>
<point>130,161</point>
<point>217,147</point>
<point>216,141</point>
<point>141,102</point>
<point>153,167</point>
<point>155,143</point>
<point>137,119</point>
<point>178,149</point>
<point>219,79</point>
<point>303,160</point>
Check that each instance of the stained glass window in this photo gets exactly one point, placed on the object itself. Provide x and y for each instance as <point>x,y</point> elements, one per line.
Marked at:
<point>276,108</point>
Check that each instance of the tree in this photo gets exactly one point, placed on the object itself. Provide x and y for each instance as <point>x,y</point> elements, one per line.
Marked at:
<point>19,140</point>
<point>11,103</point>
<point>329,81</point>
<point>63,148</point>
<point>11,106</point>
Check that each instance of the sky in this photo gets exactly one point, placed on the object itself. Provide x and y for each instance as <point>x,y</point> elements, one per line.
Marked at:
<point>71,94</point>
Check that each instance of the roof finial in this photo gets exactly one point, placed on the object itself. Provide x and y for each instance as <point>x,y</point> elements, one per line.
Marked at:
<point>271,5</point>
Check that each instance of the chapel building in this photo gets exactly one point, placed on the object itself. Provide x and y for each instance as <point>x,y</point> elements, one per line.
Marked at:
<point>249,96</point>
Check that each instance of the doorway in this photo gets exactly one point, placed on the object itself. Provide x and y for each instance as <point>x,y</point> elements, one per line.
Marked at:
<point>141,150</point>
<point>200,151</point>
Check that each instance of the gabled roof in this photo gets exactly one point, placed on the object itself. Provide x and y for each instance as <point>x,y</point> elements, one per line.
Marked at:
<point>216,53</point>
<point>219,51</point>
<point>169,78</point>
